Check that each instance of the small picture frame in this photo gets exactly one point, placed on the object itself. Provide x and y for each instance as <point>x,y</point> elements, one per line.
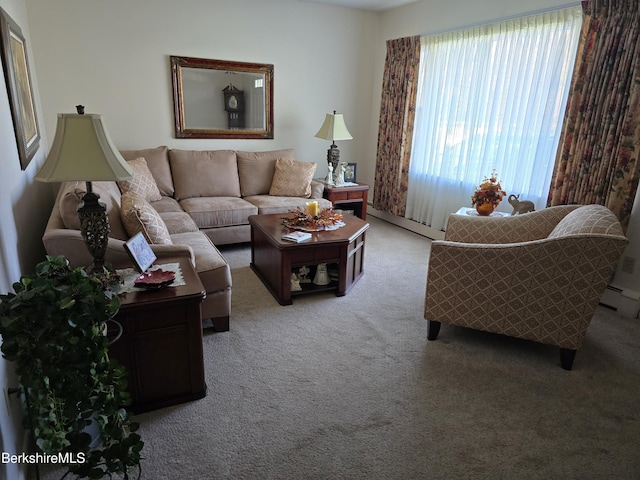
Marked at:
<point>140,252</point>
<point>350,173</point>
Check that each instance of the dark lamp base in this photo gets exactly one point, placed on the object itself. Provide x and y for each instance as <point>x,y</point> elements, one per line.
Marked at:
<point>94,227</point>
<point>333,156</point>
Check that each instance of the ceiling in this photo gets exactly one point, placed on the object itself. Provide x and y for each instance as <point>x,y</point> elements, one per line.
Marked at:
<point>376,5</point>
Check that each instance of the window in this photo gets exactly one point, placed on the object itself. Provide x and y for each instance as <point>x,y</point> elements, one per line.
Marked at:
<point>490,97</point>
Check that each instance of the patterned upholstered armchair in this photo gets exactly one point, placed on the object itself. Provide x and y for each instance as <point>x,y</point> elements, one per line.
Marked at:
<point>537,276</point>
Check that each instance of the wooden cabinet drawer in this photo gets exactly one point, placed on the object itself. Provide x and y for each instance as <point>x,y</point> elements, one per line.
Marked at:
<point>312,256</point>
<point>303,256</point>
<point>336,196</point>
<point>328,255</point>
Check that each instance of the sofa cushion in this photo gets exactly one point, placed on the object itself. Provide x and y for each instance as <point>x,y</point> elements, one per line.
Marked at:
<point>178,222</point>
<point>158,162</point>
<point>589,219</point>
<point>71,196</point>
<point>139,216</point>
<point>292,179</point>
<point>255,170</point>
<point>209,212</point>
<point>166,204</point>
<point>211,266</point>
<point>142,183</point>
<point>212,173</point>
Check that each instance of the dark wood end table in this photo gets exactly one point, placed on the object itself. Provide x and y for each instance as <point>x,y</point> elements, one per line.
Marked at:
<point>351,197</point>
<point>274,259</point>
<point>161,342</point>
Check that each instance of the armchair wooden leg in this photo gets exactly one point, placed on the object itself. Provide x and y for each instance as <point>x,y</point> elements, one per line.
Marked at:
<point>566,358</point>
<point>433,328</point>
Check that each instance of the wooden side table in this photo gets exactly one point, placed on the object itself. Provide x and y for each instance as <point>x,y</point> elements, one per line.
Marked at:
<point>471,211</point>
<point>351,197</point>
<point>161,343</point>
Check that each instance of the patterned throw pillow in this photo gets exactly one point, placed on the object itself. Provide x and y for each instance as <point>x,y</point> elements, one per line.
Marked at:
<point>142,183</point>
<point>139,216</point>
<point>292,179</point>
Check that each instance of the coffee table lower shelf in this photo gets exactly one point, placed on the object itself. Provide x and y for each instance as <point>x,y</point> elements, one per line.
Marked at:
<point>307,288</point>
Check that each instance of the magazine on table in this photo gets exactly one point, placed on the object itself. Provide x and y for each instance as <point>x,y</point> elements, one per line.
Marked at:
<point>296,236</point>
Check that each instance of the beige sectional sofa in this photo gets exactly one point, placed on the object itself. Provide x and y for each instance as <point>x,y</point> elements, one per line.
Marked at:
<point>186,202</point>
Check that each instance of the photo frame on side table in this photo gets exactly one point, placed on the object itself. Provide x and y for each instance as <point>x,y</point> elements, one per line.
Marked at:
<point>140,252</point>
<point>350,173</point>
<point>19,88</point>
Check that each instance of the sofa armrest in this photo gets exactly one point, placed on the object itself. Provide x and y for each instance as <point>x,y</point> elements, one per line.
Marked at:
<point>70,244</point>
<point>317,189</point>
<point>174,250</point>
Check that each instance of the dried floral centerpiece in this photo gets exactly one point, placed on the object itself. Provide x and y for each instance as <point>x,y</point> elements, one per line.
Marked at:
<point>326,219</point>
<point>488,195</point>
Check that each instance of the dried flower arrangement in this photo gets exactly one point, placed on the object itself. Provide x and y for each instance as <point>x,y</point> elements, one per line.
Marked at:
<point>327,219</point>
<point>489,192</point>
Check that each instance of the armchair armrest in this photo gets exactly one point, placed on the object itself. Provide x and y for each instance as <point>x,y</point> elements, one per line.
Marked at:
<point>519,228</point>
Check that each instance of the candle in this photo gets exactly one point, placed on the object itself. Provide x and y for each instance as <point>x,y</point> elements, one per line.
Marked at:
<point>312,208</point>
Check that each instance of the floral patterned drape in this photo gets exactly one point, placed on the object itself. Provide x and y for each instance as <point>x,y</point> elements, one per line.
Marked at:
<point>395,129</point>
<point>597,160</point>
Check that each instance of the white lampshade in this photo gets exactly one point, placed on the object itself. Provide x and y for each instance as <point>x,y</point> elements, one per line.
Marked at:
<point>83,150</point>
<point>334,128</point>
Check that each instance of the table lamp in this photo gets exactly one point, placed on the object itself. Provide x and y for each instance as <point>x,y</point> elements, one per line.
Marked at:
<point>333,129</point>
<point>83,151</point>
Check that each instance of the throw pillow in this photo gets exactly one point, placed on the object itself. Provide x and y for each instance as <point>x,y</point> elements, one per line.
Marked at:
<point>255,170</point>
<point>139,216</point>
<point>158,162</point>
<point>142,183</point>
<point>292,179</point>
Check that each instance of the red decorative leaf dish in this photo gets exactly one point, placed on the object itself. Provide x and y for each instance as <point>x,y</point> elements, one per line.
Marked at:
<point>155,279</point>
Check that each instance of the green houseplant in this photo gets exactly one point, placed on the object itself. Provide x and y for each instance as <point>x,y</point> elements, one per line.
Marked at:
<point>53,328</point>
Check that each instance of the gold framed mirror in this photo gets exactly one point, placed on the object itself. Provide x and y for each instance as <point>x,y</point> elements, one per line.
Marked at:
<point>222,99</point>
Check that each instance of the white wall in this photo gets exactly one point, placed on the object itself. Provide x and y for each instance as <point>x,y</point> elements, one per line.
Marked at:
<point>24,207</point>
<point>113,57</point>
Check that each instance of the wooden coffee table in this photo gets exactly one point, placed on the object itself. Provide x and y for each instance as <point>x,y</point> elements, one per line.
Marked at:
<point>274,259</point>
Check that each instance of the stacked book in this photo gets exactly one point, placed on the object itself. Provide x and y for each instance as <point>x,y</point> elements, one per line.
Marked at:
<point>297,236</point>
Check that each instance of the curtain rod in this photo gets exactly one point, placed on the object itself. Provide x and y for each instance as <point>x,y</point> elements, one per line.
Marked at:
<point>504,19</point>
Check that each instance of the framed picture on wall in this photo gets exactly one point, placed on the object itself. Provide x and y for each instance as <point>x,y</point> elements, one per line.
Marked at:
<point>350,173</point>
<point>19,88</point>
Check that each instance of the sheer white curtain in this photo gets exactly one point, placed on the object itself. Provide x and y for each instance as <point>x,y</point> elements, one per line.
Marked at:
<point>490,97</point>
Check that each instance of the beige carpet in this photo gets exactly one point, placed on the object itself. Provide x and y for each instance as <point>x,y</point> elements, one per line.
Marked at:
<point>349,388</point>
